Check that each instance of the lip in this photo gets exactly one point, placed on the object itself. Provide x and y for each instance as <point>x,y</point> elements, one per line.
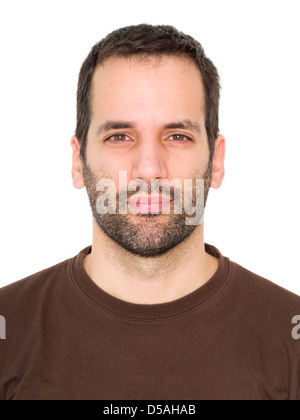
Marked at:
<point>146,204</point>
<point>154,199</point>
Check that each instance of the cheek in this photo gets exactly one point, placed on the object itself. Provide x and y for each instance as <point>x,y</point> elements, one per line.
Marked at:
<point>115,171</point>
<point>100,165</point>
<point>193,167</point>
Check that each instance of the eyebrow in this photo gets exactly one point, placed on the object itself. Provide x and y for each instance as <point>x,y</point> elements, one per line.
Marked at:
<point>120,125</point>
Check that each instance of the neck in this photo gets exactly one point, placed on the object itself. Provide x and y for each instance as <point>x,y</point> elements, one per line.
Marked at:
<point>162,279</point>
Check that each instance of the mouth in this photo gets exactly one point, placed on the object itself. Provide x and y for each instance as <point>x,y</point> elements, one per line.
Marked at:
<point>149,204</point>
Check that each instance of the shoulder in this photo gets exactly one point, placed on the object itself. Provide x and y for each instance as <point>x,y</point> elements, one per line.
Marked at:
<point>265,299</point>
<point>261,286</point>
<point>29,290</point>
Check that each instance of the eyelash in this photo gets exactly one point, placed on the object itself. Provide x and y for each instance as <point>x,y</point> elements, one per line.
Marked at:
<point>189,139</point>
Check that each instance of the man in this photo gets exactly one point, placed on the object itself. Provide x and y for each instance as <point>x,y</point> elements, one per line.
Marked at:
<point>149,311</point>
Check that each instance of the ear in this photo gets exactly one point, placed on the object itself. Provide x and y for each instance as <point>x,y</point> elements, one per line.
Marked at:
<point>77,177</point>
<point>218,170</point>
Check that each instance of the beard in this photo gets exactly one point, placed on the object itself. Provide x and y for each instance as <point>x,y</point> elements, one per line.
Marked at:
<point>145,235</point>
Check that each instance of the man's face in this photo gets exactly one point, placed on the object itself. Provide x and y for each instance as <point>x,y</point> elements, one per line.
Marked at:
<point>150,100</point>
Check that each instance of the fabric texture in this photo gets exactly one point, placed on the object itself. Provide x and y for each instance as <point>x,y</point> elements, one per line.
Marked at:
<point>67,339</point>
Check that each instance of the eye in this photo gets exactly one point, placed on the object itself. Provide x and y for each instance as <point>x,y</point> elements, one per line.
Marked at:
<point>123,138</point>
<point>180,138</point>
<point>118,138</point>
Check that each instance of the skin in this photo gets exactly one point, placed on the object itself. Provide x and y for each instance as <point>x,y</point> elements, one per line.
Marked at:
<point>150,93</point>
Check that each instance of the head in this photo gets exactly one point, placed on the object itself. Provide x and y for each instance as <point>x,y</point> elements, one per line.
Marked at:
<point>147,41</point>
<point>154,88</point>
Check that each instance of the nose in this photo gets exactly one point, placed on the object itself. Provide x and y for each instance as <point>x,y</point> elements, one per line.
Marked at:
<point>149,161</point>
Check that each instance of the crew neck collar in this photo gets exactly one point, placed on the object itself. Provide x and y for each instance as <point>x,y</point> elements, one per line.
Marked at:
<point>149,312</point>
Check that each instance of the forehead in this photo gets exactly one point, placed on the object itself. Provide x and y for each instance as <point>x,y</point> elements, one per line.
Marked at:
<point>153,85</point>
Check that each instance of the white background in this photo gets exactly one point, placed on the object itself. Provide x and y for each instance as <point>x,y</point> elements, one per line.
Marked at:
<point>253,219</point>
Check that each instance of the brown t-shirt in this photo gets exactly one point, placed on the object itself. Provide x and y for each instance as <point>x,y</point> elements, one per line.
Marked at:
<point>68,339</point>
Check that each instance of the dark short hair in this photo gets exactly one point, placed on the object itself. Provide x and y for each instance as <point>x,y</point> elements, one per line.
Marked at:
<point>147,41</point>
